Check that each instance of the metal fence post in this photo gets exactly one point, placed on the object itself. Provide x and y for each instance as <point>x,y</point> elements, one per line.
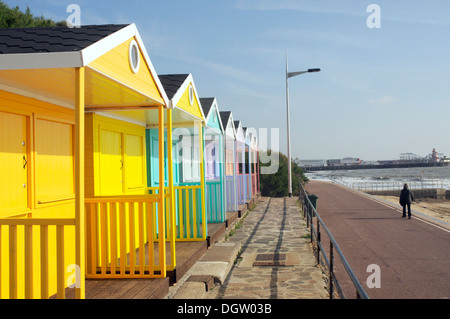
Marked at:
<point>331,269</point>
<point>318,242</point>
<point>308,209</point>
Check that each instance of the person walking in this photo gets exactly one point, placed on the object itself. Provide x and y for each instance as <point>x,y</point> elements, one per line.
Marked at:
<point>406,198</point>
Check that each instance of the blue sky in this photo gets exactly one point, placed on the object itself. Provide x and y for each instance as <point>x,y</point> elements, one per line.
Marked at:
<point>382,91</point>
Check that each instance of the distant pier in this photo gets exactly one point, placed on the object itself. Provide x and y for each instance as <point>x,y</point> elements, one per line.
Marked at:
<point>372,166</point>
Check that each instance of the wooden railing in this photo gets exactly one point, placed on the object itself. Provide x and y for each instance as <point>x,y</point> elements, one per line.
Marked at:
<point>254,184</point>
<point>28,271</point>
<point>240,189</point>
<point>248,185</point>
<point>190,214</point>
<point>123,237</point>
<point>230,192</point>
<point>214,202</point>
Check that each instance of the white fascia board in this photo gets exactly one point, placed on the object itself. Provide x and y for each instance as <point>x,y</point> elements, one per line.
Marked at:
<point>96,50</point>
<point>66,59</point>
<point>230,125</point>
<point>101,47</point>
<point>240,133</point>
<point>212,131</point>
<point>194,118</point>
<point>150,65</point>
<point>176,98</point>
<point>22,61</point>
<point>216,108</point>
<point>214,111</point>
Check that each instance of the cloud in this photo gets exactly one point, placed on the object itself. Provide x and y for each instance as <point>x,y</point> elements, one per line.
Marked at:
<point>320,36</point>
<point>385,99</point>
<point>323,7</point>
<point>228,71</point>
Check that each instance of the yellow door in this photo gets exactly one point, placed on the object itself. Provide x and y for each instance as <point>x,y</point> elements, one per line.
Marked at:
<point>13,164</point>
<point>135,177</point>
<point>111,163</point>
<point>54,161</point>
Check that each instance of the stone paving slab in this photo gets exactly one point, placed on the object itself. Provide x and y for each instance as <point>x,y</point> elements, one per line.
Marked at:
<point>242,265</point>
<point>274,228</point>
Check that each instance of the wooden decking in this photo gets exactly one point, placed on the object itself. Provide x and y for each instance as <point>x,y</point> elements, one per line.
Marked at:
<point>187,253</point>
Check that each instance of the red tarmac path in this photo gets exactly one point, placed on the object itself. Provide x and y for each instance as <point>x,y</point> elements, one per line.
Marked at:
<point>413,255</point>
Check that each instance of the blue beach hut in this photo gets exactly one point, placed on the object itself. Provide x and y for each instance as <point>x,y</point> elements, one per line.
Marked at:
<point>248,163</point>
<point>230,161</point>
<point>240,163</point>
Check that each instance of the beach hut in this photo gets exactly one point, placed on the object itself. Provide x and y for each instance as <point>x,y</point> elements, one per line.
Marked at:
<point>230,161</point>
<point>214,162</point>
<point>240,164</point>
<point>247,164</point>
<point>255,165</point>
<point>74,104</point>
<point>187,163</point>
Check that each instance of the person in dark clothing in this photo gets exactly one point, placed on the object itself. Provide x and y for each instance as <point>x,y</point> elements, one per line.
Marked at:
<point>406,198</point>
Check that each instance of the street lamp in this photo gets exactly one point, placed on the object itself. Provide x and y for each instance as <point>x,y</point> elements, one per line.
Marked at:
<point>290,75</point>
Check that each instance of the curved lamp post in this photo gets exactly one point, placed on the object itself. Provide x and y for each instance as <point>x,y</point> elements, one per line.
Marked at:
<point>290,75</point>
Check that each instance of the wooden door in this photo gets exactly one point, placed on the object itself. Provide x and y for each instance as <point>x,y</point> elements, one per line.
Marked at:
<point>111,163</point>
<point>13,163</point>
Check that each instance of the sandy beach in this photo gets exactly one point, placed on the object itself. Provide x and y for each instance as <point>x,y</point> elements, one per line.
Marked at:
<point>434,208</point>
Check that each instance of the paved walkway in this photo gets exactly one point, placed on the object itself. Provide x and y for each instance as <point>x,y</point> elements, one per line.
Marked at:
<point>276,259</point>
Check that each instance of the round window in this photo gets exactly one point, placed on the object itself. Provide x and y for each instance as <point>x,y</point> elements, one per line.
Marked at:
<point>134,57</point>
<point>191,94</point>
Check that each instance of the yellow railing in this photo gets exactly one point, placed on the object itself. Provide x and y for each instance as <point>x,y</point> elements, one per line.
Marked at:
<point>29,272</point>
<point>123,237</point>
<point>190,214</point>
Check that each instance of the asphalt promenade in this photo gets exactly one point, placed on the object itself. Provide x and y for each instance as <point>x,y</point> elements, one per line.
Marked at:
<point>267,255</point>
<point>400,258</point>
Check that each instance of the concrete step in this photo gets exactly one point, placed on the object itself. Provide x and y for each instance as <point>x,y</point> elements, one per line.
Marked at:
<point>212,268</point>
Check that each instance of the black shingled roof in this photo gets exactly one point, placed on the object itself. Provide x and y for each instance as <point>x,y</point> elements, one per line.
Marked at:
<point>206,103</point>
<point>53,39</point>
<point>224,116</point>
<point>172,82</point>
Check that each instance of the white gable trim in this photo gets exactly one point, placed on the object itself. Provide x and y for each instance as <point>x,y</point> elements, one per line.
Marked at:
<point>240,133</point>
<point>214,110</point>
<point>176,98</point>
<point>81,58</point>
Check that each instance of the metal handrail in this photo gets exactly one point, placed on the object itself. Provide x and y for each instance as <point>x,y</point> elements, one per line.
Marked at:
<point>310,211</point>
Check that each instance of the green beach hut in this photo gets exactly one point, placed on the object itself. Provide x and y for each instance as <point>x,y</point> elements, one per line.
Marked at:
<point>186,164</point>
<point>214,162</point>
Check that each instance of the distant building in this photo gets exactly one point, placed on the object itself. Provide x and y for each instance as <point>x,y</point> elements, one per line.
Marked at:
<point>351,161</point>
<point>311,163</point>
<point>334,162</point>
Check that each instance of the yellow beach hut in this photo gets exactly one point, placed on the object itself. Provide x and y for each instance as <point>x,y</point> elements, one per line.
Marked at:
<point>74,105</point>
<point>186,164</point>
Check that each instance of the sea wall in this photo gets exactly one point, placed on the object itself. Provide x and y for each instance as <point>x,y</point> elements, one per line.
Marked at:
<point>438,193</point>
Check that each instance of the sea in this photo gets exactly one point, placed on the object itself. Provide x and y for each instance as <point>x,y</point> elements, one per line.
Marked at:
<point>387,178</point>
